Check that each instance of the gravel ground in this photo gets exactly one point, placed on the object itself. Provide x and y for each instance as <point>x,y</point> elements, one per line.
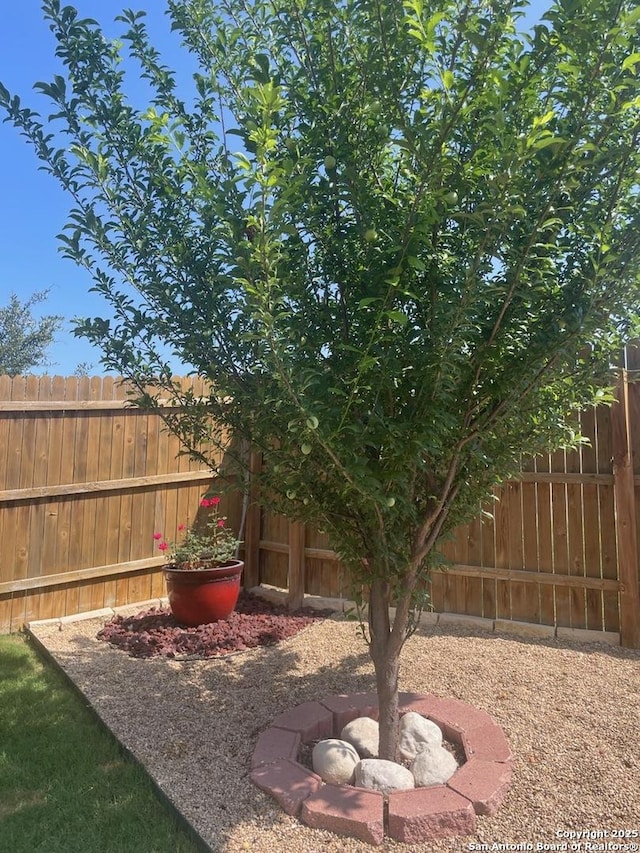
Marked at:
<point>571,713</point>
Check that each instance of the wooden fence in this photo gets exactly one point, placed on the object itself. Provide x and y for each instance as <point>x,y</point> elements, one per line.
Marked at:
<point>85,481</point>
<point>560,550</point>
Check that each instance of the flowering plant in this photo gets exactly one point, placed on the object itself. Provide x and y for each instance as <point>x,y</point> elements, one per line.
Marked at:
<point>213,546</point>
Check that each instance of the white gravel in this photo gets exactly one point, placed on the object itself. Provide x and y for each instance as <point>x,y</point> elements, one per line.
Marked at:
<point>571,713</point>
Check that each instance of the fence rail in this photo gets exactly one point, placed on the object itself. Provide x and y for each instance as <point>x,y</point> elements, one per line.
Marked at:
<point>560,548</point>
<point>86,479</point>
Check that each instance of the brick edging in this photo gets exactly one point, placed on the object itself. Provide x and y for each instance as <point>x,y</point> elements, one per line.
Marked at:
<point>479,786</point>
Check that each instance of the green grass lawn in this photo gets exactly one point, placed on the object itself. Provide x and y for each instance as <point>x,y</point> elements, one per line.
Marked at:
<point>64,783</point>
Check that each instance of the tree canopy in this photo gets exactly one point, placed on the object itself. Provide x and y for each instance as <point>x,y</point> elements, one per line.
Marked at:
<point>400,238</point>
<point>24,339</point>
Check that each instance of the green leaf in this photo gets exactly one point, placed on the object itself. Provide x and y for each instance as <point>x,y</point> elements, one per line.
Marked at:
<point>397,317</point>
<point>631,61</point>
<point>373,253</point>
<point>632,18</point>
<point>540,121</point>
<point>243,161</point>
<point>416,263</point>
<point>547,141</point>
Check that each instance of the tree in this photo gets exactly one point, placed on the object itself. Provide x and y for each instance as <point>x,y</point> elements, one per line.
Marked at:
<point>23,338</point>
<point>84,368</point>
<point>401,240</point>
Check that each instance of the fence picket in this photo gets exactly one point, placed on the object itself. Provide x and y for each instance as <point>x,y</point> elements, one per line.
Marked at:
<point>489,585</point>
<point>549,555</point>
<point>626,518</point>
<point>472,602</point>
<point>57,432</point>
<point>526,602</point>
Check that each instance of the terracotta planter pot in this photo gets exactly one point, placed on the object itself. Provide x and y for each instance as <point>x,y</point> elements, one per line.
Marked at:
<point>203,595</point>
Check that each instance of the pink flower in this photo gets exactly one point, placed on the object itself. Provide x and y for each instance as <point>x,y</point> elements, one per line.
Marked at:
<point>221,522</point>
<point>157,536</point>
<point>206,502</point>
<point>182,526</point>
<point>163,546</point>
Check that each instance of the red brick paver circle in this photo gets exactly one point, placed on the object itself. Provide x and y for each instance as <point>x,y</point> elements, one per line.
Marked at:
<point>478,787</point>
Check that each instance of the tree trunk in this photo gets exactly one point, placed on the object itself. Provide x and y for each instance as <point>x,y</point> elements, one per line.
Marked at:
<point>387,669</point>
<point>385,647</point>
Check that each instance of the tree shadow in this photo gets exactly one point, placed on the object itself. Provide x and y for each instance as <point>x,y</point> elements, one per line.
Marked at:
<point>193,724</point>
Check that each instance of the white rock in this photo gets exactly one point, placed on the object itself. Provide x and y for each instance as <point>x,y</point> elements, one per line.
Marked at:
<point>415,733</point>
<point>334,761</point>
<point>364,734</point>
<point>381,775</point>
<point>433,765</point>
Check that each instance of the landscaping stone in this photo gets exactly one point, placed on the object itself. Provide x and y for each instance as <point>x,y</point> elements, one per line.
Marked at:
<point>485,783</point>
<point>433,765</point>
<point>335,761</point>
<point>275,744</point>
<point>454,717</point>
<point>422,704</point>
<point>487,742</point>
<point>415,815</point>
<point>406,700</point>
<point>364,734</point>
<point>415,732</point>
<point>311,719</point>
<point>347,708</point>
<point>428,813</point>
<point>347,811</point>
<point>288,782</point>
<point>385,776</point>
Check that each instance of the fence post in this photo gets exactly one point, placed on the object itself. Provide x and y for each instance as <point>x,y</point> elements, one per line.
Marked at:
<point>626,533</point>
<point>296,579</point>
<point>252,526</point>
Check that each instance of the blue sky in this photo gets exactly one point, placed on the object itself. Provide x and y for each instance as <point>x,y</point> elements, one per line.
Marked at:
<point>32,206</point>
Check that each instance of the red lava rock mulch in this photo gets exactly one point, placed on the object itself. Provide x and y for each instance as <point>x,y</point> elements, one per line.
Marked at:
<point>255,622</point>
